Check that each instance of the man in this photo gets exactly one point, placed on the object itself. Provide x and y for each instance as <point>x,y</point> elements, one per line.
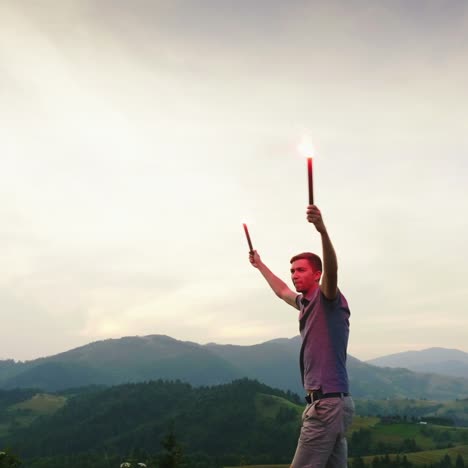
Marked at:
<point>324,327</point>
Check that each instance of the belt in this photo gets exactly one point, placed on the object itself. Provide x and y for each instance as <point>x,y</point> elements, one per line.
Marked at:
<point>314,396</point>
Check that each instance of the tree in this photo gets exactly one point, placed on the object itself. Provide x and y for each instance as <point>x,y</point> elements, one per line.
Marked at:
<point>446,462</point>
<point>459,463</point>
<point>172,457</point>
<point>8,460</point>
<point>405,462</point>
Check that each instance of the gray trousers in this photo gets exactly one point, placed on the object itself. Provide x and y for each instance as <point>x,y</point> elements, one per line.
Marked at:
<point>322,443</point>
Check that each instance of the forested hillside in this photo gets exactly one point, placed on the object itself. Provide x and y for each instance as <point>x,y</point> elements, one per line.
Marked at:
<point>242,422</point>
<point>226,422</point>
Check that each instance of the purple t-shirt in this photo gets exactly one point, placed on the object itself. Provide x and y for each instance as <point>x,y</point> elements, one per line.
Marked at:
<point>324,328</point>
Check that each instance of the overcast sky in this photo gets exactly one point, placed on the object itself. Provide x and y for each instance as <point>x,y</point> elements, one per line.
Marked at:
<point>136,137</point>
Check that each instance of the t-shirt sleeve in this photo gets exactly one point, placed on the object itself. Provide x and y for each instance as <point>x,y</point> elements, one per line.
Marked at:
<point>331,301</point>
<point>298,300</point>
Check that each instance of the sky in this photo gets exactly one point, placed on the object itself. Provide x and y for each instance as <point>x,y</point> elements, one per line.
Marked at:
<point>137,137</point>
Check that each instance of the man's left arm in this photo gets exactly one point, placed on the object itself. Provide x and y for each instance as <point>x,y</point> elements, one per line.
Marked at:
<point>329,280</point>
<point>329,283</point>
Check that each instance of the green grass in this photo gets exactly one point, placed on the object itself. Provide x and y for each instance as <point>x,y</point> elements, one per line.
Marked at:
<point>456,410</point>
<point>259,466</point>
<point>24,413</point>
<point>425,436</point>
<point>362,422</point>
<point>41,404</point>
<point>428,456</point>
<point>417,458</point>
<point>268,406</point>
<point>396,433</point>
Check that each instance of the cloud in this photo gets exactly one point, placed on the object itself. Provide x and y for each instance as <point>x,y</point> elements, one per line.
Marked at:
<point>137,137</point>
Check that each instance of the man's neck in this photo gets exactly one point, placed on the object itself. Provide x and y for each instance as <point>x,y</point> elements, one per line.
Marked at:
<point>309,294</point>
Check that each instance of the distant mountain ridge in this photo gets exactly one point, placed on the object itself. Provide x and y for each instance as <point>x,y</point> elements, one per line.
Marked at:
<point>274,363</point>
<point>450,362</point>
<point>127,359</point>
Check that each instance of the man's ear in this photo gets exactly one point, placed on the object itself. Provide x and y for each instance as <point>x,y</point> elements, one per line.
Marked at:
<point>317,276</point>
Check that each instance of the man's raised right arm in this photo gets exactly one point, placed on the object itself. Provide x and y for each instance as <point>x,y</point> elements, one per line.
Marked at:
<point>279,287</point>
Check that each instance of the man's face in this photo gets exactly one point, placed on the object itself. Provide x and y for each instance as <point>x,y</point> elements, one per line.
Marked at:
<point>304,277</point>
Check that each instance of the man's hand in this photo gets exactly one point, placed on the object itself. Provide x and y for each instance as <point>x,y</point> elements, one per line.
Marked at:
<point>255,259</point>
<point>329,282</point>
<point>279,287</point>
<point>315,217</point>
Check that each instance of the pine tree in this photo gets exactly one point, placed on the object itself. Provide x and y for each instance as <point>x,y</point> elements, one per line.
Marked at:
<point>172,456</point>
<point>446,462</point>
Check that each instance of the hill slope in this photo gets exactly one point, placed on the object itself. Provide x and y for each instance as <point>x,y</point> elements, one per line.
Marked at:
<point>128,359</point>
<point>244,418</point>
<point>451,362</point>
<point>138,359</point>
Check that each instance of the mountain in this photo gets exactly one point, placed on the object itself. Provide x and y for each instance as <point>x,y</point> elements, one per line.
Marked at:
<point>451,362</point>
<point>128,359</point>
<point>275,363</point>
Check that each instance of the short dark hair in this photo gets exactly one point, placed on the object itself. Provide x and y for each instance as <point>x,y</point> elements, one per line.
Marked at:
<point>314,260</point>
